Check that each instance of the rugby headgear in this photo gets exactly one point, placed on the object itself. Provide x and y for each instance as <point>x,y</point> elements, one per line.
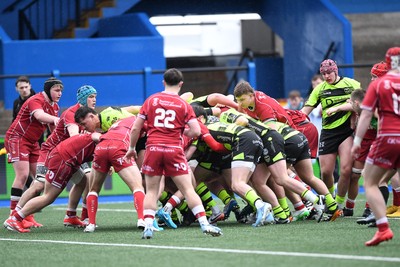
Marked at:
<point>379,69</point>
<point>328,66</point>
<point>393,58</point>
<point>49,83</point>
<point>83,93</point>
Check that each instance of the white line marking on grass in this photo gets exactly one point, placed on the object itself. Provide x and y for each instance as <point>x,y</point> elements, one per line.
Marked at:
<point>254,252</point>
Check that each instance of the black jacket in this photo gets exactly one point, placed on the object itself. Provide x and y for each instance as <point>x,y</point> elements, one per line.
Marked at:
<point>18,104</point>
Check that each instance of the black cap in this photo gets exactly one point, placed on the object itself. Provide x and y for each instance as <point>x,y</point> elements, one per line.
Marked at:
<point>49,83</point>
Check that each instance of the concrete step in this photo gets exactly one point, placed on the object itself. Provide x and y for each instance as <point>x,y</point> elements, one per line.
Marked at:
<point>108,9</point>
<point>373,34</point>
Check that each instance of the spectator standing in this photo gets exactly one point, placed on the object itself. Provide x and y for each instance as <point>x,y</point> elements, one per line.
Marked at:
<point>24,89</point>
<point>295,101</point>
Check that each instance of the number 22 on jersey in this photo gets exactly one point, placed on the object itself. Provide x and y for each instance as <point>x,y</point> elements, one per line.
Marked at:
<point>164,118</point>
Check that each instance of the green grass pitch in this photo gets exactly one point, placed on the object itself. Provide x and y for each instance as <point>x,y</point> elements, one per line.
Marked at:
<point>117,242</point>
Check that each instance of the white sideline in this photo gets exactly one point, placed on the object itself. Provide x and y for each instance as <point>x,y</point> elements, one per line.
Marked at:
<point>254,252</point>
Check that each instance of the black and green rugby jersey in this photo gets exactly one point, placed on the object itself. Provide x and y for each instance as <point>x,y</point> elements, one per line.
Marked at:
<point>202,101</point>
<point>226,133</point>
<point>110,115</point>
<point>285,130</point>
<point>231,115</point>
<point>332,95</point>
<point>260,128</point>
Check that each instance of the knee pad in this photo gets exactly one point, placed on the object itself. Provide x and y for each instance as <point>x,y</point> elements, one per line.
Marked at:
<point>193,163</point>
<point>77,176</point>
<point>85,168</point>
<point>356,171</point>
<point>41,171</point>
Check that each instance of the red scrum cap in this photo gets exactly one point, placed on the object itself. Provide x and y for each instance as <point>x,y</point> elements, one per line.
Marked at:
<point>393,58</point>
<point>328,66</point>
<point>379,69</point>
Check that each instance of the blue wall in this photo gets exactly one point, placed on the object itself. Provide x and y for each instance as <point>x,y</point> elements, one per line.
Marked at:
<point>136,24</point>
<point>269,75</point>
<point>86,55</point>
<point>307,28</point>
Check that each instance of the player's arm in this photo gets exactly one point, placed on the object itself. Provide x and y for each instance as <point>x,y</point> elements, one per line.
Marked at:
<point>213,111</point>
<point>214,144</point>
<point>135,134</point>
<point>188,96</point>
<point>44,117</point>
<point>193,130</point>
<point>215,99</point>
<point>96,137</point>
<point>307,109</point>
<point>73,129</point>
<point>376,114</point>
<point>132,109</point>
<point>343,107</point>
